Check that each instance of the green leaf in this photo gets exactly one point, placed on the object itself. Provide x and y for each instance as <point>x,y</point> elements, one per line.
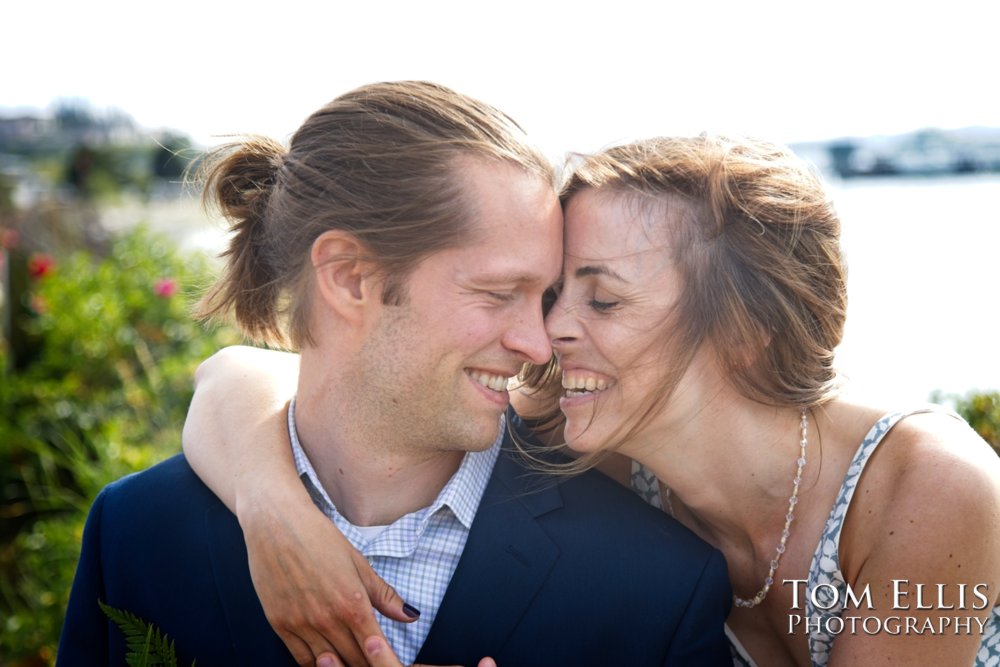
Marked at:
<point>147,646</point>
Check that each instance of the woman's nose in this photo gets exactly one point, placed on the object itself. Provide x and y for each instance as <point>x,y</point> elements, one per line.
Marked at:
<point>561,324</point>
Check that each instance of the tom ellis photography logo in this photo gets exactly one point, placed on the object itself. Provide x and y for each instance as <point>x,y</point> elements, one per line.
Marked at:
<point>959,609</point>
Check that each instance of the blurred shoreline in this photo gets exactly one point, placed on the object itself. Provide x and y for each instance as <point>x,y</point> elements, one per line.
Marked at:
<point>179,216</point>
<point>922,287</point>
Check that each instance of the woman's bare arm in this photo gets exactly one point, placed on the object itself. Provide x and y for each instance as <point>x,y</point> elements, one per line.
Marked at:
<point>316,589</point>
<point>236,433</point>
<point>933,531</point>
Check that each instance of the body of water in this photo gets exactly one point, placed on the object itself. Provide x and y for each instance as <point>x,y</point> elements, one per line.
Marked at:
<point>924,282</point>
<point>923,285</point>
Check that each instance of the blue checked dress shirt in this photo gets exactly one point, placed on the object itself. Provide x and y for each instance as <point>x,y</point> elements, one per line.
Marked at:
<point>418,553</point>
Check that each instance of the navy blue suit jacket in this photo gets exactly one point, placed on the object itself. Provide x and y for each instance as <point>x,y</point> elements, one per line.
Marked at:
<point>573,572</point>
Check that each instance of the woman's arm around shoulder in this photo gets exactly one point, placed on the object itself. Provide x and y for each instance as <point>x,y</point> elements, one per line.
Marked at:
<point>316,589</point>
<point>236,425</point>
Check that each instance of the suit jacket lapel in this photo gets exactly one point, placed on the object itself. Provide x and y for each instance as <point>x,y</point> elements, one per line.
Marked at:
<point>506,560</point>
<point>252,638</point>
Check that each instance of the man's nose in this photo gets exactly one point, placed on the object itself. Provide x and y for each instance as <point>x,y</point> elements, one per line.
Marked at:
<point>529,338</point>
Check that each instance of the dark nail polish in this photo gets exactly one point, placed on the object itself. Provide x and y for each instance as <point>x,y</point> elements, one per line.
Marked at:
<point>410,610</point>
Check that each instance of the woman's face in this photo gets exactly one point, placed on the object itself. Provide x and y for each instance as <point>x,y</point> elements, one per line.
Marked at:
<point>611,319</point>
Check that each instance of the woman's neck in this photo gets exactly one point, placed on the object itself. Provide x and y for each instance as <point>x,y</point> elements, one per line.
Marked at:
<point>729,467</point>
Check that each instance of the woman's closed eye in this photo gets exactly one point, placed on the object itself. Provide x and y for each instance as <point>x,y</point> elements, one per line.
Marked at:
<point>602,306</point>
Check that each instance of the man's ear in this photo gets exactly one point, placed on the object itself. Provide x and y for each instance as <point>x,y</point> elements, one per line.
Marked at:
<point>344,278</point>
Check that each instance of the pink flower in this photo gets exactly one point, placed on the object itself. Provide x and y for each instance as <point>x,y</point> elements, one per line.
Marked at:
<point>40,265</point>
<point>165,288</point>
<point>9,238</point>
<point>38,304</point>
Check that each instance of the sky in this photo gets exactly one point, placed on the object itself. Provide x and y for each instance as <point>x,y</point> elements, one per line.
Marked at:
<point>579,79</point>
<point>575,78</point>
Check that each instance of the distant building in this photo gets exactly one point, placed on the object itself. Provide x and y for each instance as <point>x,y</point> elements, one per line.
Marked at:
<point>927,152</point>
<point>24,128</point>
<point>70,124</point>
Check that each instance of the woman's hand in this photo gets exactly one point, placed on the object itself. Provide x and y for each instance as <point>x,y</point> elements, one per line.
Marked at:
<point>317,591</point>
<point>380,655</point>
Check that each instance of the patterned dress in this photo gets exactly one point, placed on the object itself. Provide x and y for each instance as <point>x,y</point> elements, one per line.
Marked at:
<point>825,568</point>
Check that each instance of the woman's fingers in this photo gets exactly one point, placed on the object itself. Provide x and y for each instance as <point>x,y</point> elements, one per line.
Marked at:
<point>305,575</point>
<point>382,596</point>
<point>380,655</point>
<point>300,650</point>
<point>322,652</point>
<point>328,659</point>
<point>485,662</point>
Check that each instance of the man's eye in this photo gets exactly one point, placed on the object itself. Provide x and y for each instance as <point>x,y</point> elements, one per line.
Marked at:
<point>502,297</point>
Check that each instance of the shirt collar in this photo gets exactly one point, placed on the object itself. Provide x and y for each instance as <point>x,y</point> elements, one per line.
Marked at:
<point>461,494</point>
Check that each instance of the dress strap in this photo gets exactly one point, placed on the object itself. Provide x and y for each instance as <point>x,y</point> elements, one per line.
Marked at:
<point>645,484</point>
<point>825,568</point>
<point>868,446</point>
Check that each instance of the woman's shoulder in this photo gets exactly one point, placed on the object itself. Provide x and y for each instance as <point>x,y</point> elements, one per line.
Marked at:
<point>939,452</point>
<point>917,445</point>
<point>932,479</point>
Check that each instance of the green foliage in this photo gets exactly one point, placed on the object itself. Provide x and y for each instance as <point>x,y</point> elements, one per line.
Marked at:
<point>100,390</point>
<point>145,644</point>
<point>982,411</point>
<point>6,194</point>
<point>103,172</point>
<point>172,157</point>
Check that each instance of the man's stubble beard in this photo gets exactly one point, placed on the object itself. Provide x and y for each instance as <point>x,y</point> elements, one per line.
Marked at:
<point>405,403</point>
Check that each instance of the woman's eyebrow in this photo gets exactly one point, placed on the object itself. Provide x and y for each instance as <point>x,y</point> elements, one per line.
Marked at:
<point>597,270</point>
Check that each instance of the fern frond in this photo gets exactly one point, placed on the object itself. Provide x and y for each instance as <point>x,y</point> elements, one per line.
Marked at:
<point>146,645</point>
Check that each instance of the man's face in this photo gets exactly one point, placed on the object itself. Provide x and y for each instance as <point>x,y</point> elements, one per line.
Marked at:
<point>436,367</point>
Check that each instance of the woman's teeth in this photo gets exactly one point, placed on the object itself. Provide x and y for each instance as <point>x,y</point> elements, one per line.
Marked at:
<point>577,384</point>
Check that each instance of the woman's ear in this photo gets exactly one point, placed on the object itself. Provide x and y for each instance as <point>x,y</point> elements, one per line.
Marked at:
<point>344,278</point>
<point>754,344</point>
